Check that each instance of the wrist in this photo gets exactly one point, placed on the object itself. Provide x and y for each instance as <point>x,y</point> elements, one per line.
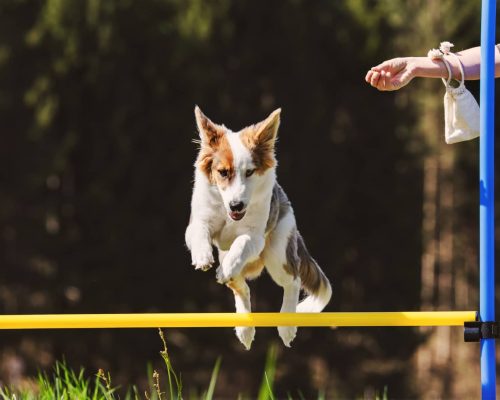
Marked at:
<point>425,67</point>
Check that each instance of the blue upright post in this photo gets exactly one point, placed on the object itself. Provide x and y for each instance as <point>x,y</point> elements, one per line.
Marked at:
<point>486,189</point>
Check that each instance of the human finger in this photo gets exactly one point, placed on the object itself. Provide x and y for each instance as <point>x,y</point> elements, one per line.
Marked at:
<point>384,65</point>
<point>382,81</point>
<point>374,78</point>
<point>368,76</point>
<point>389,83</point>
<point>386,82</point>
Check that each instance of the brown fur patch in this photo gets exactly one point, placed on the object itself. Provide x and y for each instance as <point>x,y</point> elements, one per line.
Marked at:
<point>260,139</point>
<point>205,160</point>
<point>223,160</point>
<point>237,288</point>
<point>293,260</point>
<point>215,153</point>
<point>253,269</point>
<point>299,262</point>
<point>210,133</point>
<point>212,160</point>
<point>262,155</point>
<point>311,275</point>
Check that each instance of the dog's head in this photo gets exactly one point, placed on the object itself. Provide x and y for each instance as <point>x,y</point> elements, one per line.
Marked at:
<point>234,161</point>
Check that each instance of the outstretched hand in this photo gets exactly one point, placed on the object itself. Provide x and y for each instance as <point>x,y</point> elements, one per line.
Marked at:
<point>391,74</point>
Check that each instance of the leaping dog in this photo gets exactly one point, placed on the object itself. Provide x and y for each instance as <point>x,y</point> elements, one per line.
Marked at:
<point>238,206</point>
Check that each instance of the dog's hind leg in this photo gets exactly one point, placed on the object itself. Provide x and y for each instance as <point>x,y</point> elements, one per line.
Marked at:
<point>241,293</point>
<point>290,299</point>
<point>291,291</point>
<point>277,264</point>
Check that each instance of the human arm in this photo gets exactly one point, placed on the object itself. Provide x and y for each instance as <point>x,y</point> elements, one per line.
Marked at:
<point>398,72</point>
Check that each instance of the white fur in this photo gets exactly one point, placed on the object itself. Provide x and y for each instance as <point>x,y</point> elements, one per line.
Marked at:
<point>241,187</point>
<point>241,242</point>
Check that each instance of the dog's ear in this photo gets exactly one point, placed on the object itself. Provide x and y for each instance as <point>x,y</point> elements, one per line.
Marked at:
<point>210,133</point>
<point>265,132</point>
<point>260,139</point>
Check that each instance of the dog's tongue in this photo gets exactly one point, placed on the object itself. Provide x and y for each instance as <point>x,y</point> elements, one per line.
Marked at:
<point>236,215</point>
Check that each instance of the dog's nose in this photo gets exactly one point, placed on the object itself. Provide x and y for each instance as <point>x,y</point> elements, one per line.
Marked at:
<point>236,205</point>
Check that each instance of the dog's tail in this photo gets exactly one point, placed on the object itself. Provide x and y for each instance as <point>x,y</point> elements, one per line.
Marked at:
<point>314,281</point>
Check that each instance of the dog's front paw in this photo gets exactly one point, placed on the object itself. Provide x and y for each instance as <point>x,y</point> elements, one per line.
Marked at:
<point>221,276</point>
<point>287,334</point>
<point>227,271</point>
<point>246,335</point>
<point>202,258</point>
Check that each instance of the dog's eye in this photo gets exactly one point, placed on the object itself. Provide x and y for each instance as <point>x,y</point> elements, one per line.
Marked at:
<point>223,173</point>
<point>249,172</point>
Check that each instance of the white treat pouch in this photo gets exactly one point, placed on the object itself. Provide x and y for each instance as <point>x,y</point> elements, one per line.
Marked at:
<point>461,111</point>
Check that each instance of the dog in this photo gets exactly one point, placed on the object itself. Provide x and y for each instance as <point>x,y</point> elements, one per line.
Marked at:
<point>238,206</point>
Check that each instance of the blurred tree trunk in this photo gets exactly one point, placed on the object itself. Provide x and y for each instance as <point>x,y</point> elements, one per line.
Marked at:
<point>442,276</point>
<point>437,275</point>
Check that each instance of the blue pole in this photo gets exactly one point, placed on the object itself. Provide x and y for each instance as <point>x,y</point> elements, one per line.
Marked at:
<point>487,195</point>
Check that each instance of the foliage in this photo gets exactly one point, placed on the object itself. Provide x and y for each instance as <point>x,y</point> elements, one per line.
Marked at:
<point>65,384</point>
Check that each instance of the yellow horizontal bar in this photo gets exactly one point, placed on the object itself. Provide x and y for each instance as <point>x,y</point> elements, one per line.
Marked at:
<point>217,320</point>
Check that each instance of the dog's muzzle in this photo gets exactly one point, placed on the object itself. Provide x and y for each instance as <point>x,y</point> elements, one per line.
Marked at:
<point>237,215</point>
<point>237,210</point>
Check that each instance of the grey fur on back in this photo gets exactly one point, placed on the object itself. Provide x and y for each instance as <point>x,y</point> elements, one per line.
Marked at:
<point>299,261</point>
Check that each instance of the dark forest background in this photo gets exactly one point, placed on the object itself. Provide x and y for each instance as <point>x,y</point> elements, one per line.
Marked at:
<point>96,155</point>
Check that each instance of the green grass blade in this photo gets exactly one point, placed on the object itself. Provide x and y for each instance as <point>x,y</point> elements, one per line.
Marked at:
<point>213,380</point>
<point>269,387</point>
<point>166,360</point>
<point>170,370</point>
<point>385,395</point>
<point>149,374</point>
<point>266,387</point>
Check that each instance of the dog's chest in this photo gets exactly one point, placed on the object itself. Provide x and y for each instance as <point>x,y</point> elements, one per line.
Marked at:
<point>229,231</point>
<point>253,223</point>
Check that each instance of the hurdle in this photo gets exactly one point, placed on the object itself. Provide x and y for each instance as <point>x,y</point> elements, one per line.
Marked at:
<point>227,320</point>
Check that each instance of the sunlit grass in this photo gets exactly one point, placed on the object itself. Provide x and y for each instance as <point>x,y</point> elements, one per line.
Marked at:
<point>65,384</point>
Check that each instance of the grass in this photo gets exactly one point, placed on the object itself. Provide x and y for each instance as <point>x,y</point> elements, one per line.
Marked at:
<point>266,387</point>
<point>65,384</point>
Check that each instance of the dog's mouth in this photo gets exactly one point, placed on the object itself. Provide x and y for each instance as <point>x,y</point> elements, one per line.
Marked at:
<point>237,215</point>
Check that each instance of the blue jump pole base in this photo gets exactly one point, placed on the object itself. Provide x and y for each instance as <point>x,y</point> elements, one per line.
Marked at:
<point>488,384</point>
